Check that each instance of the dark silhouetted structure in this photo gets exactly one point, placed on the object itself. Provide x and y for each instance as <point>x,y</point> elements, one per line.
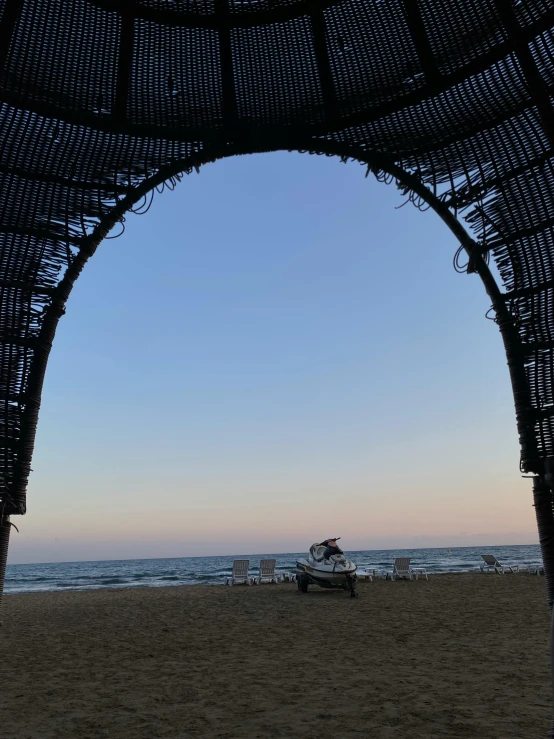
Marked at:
<point>104,101</point>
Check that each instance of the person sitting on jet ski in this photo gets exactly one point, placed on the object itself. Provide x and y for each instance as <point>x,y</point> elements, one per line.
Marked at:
<point>331,548</point>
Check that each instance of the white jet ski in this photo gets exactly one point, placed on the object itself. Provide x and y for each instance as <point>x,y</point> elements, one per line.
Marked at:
<point>327,566</point>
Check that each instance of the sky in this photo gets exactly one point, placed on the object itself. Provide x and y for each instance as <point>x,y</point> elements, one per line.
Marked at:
<point>274,354</point>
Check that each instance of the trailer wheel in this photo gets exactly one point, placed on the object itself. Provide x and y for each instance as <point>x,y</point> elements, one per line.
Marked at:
<point>303,583</point>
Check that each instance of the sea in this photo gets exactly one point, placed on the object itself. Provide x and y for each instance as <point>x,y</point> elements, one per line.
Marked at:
<point>154,573</point>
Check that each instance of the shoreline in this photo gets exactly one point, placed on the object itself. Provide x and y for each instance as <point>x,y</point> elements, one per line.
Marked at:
<point>452,657</point>
<point>161,586</point>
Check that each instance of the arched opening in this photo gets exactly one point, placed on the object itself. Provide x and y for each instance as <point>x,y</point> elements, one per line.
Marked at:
<point>378,165</point>
<point>384,169</point>
<point>395,461</point>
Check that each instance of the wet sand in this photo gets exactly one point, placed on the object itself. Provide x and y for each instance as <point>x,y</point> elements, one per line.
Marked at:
<point>458,656</point>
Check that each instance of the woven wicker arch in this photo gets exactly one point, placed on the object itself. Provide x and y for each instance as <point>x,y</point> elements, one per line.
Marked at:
<point>103,101</point>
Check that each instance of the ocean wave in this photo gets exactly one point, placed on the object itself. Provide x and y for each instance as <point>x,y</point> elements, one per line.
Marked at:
<point>211,571</point>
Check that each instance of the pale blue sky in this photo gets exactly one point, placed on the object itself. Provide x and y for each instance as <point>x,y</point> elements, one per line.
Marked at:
<point>272,355</point>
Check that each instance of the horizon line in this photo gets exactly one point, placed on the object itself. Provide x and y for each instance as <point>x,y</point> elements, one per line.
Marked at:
<point>259,554</point>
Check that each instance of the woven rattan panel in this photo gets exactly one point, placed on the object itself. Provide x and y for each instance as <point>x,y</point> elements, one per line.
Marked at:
<point>100,101</point>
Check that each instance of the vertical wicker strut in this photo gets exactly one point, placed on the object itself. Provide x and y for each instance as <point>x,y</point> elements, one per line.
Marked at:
<point>5,527</point>
<point>10,16</point>
<point>323,64</point>
<point>125,63</point>
<point>544,509</point>
<point>228,91</point>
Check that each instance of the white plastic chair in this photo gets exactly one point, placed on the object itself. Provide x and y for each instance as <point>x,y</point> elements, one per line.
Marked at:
<point>402,568</point>
<point>288,576</point>
<point>491,564</point>
<point>366,573</point>
<point>267,571</point>
<point>240,573</point>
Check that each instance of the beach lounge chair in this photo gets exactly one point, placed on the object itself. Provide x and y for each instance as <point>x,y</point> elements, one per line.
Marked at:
<point>402,568</point>
<point>491,564</point>
<point>267,571</point>
<point>364,571</point>
<point>364,575</point>
<point>240,573</point>
<point>535,569</point>
<point>287,576</point>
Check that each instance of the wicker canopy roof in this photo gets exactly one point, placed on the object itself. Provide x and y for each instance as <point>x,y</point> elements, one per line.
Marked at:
<point>104,100</point>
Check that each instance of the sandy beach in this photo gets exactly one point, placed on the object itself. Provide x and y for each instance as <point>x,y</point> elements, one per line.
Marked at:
<point>458,656</point>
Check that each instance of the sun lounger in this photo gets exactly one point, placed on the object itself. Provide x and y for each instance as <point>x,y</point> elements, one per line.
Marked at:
<point>267,571</point>
<point>368,573</point>
<point>288,576</point>
<point>365,574</point>
<point>402,568</point>
<point>491,564</point>
<point>240,573</point>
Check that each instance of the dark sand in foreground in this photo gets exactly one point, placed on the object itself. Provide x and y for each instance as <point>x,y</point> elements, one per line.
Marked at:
<point>458,656</point>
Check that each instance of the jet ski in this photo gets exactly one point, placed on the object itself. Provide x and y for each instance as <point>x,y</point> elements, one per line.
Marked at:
<point>327,566</point>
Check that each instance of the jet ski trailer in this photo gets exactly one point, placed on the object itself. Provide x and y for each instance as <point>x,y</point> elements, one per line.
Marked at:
<point>327,566</point>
